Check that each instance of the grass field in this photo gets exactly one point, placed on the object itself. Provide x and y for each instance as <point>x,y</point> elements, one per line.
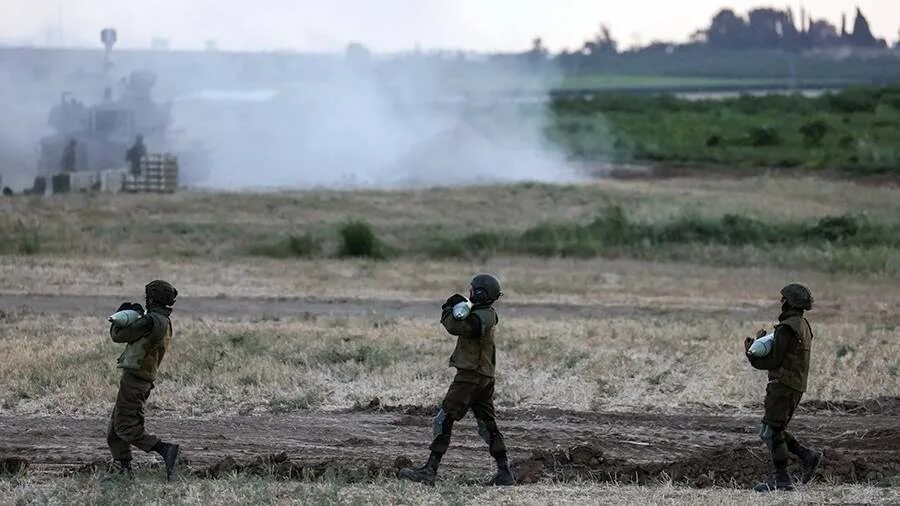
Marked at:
<point>249,490</point>
<point>634,335</point>
<point>855,130</point>
<point>813,224</point>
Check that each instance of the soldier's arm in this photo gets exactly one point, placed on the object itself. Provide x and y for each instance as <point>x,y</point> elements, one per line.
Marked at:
<point>784,337</point>
<point>470,327</point>
<point>140,328</point>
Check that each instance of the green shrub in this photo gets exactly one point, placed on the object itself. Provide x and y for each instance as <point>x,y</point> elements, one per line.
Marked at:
<point>358,239</point>
<point>764,136</point>
<point>305,245</point>
<point>814,131</point>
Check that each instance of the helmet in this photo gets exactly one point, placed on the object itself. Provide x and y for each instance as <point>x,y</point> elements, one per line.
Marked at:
<point>160,292</point>
<point>798,296</point>
<point>485,289</point>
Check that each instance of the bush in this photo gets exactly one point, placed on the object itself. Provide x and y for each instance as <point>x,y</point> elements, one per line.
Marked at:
<point>814,131</point>
<point>305,245</point>
<point>358,239</point>
<point>764,136</point>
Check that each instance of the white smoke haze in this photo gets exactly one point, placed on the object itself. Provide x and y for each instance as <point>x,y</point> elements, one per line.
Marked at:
<point>289,121</point>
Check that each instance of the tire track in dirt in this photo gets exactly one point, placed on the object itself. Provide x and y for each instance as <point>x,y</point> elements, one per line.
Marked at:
<point>353,307</point>
<point>698,450</point>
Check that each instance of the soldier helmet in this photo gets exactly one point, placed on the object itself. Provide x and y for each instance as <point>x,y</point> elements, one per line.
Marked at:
<point>161,292</point>
<point>485,289</point>
<point>798,296</point>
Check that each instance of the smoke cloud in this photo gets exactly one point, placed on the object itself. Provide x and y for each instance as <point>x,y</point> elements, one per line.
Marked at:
<point>286,120</point>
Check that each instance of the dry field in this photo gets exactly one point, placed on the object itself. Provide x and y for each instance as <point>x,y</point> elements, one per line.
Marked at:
<point>621,381</point>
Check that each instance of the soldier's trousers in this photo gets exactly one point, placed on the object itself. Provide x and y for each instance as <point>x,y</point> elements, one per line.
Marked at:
<point>781,402</point>
<point>469,390</point>
<point>126,426</point>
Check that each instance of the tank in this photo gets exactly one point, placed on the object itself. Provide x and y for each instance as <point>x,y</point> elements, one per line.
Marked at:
<point>105,130</point>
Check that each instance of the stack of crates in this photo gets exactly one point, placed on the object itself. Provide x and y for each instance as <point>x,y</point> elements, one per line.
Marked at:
<point>159,174</point>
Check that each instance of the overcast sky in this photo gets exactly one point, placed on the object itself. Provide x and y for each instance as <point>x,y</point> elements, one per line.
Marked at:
<point>389,25</point>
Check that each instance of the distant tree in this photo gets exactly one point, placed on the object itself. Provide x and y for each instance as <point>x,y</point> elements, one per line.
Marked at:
<point>862,34</point>
<point>538,52</point>
<point>603,43</point>
<point>727,31</point>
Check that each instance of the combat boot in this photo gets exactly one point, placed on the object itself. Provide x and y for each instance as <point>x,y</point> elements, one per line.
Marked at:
<point>504,476</point>
<point>425,474</point>
<point>169,453</point>
<point>811,459</point>
<point>781,480</point>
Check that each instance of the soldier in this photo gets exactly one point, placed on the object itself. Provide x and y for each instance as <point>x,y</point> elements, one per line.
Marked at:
<point>68,156</point>
<point>135,153</point>
<point>473,386</point>
<point>147,339</point>
<point>788,366</point>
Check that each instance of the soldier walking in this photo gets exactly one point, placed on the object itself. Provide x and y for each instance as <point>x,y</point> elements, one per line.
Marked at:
<point>67,162</point>
<point>473,387</point>
<point>788,366</point>
<point>147,340</point>
<point>135,153</point>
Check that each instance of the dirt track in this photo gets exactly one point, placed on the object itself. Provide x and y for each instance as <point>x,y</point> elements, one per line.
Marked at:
<point>697,448</point>
<point>284,306</point>
<point>629,447</point>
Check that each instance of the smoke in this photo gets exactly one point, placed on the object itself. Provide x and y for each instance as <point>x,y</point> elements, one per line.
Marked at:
<point>371,125</point>
<point>284,120</point>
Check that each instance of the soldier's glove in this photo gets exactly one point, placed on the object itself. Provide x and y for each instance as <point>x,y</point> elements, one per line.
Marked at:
<point>134,306</point>
<point>761,333</point>
<point>453,300</point>
<point>747,343</point>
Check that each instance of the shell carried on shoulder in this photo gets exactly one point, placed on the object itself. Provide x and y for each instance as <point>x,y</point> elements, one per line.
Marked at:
<point>124,318</point>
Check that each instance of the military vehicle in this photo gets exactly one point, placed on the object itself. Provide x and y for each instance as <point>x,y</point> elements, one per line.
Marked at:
<point>104,131</point>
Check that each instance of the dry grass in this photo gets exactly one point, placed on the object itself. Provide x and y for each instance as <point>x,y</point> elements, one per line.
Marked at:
<point>249,490</point>
<point>224,225</point>
<point>62,364</point>
<point>596,281</point>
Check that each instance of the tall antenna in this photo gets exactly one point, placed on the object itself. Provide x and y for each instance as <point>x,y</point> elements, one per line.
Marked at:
<point>59,22</point>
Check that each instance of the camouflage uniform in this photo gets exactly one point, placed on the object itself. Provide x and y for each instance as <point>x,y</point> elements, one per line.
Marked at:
<point>147,340</point>
<point>473,386</point>
<point>474,358</point>
<point>788,367</point>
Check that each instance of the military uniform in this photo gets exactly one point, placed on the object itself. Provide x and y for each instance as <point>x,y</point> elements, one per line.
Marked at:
<point>788,367</point>
<point>147,340</point>
<point>475,359</point>
<point>134,155</point>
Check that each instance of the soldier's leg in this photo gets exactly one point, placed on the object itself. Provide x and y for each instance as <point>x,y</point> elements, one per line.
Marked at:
<point>485,414</point>
<point>120,450</point>
<point>453,408</point>
<point>779,407</point>
<point>128,418</point>
<point>810,458</point>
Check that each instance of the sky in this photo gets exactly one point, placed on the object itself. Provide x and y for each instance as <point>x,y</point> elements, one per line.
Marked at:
<point>389,25</point>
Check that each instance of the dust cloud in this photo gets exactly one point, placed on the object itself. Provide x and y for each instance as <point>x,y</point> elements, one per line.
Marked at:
<point>287,120</point>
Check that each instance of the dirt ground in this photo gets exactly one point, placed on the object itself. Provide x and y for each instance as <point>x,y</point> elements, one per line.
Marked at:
<point>695,446</point>
<point>695,449</point>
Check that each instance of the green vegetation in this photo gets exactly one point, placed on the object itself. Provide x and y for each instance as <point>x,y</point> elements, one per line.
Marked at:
<point>861,244</point>
<point>857,129</point>
<point>305,245</point>
<point>358,239</point>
